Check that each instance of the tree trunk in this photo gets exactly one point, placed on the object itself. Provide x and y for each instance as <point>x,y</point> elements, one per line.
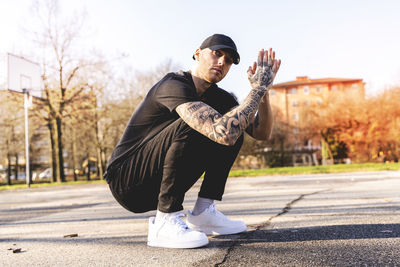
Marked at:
<point>16,167</point>
<point>282,156</point>
<point>328,148</point>
<point>73,149</point>
<point>100,167</point>
<point>30,172</point>
<point>88,168</point>
<point>53,152</point>
<point>99,163</point>
<point>31,155</point>
<point>60,149</point>
<point>9,167</point>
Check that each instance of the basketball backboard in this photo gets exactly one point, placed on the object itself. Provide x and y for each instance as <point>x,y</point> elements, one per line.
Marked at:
<point>23,74</point>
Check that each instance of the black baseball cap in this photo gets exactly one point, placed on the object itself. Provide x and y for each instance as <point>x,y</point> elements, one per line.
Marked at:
<point>220,41</point>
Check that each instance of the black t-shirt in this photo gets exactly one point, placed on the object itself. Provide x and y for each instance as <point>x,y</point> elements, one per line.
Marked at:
<point>157,110</point>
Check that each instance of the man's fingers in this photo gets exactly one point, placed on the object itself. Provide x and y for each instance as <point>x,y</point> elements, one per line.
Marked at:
<point>260,57</point>
<point>265,59</point>
<point>270,60</point>
<point>277,64</point>
<point>274,67</point>
<point>250,71</point>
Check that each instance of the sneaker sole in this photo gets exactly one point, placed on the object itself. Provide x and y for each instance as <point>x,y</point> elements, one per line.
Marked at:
<point>169,244</point>
<point>219,231</point>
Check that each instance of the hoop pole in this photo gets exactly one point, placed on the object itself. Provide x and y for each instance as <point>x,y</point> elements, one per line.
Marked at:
<point>27,169</point>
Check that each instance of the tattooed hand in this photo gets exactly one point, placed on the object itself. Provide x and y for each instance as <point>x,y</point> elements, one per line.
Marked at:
<point>262,74</point>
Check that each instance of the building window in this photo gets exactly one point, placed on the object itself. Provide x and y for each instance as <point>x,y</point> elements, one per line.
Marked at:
<point>295,117</point>
<point>295,130</point>
<point>318,89</point>
<point>293,91</point>
<point>295,103</point>
<point>272,92</point>
<point>334,88</point>
<point>306,90</point>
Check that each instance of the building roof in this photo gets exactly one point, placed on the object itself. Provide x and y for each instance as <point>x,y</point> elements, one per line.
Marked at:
<point>304,80</point>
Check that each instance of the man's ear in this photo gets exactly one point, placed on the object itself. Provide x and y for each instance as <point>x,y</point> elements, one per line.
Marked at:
<point>197,54</point>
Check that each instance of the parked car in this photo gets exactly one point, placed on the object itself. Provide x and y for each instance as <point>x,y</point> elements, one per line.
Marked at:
<point>21,176</point>
<point>45,174</point>
<point>3,175</point>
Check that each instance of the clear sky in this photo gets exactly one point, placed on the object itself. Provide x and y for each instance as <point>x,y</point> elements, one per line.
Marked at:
<point>319,39</point>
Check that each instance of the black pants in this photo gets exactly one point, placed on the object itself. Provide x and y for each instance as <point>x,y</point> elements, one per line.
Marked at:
<point>159,174</point>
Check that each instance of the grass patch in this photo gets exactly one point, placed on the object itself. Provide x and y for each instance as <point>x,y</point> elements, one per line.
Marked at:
<point>22,184</point>
<point>338,168</point>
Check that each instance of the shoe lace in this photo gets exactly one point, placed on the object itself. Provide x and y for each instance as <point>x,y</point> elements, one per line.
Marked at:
<point>213,209</point>
<point>179,222</point>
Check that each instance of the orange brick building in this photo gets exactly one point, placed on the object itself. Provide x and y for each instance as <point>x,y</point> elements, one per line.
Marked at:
<point>290,97</point>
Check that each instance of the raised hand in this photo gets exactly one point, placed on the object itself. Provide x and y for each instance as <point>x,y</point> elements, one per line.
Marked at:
<point>262,74</point>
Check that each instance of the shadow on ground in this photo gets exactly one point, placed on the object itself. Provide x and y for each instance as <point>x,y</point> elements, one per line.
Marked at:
<point>333,232</point>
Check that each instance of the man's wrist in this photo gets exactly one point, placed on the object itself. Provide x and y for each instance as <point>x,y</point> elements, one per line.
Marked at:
<point>261,88</point>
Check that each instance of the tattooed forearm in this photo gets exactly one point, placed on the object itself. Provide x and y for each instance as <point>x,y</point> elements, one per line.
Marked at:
<point>223,129</point>
<point>195,106</point>
<point>253,126</point>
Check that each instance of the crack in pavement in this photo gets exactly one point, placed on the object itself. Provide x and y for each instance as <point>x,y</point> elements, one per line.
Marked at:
<point>286,209</point>
<point>258,227</point>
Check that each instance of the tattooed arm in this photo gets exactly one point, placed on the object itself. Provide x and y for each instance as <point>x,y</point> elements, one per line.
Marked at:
<point>226,129</point>
<point>261,128</point>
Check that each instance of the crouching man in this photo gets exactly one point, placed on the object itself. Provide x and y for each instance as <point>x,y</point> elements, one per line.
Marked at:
<point>187,126</point>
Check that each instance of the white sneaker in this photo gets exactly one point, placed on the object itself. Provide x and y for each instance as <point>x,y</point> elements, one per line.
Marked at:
<point>172,232</point>
<point>213,222</point>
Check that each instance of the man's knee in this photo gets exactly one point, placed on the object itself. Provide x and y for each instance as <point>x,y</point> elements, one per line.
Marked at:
<point>139,199</point>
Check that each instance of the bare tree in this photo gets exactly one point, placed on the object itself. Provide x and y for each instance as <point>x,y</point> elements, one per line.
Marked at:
<point>12,130</point>
<point>62,67</point>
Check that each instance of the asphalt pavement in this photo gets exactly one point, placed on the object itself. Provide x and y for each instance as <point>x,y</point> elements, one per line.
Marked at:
<point>350,219</point>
